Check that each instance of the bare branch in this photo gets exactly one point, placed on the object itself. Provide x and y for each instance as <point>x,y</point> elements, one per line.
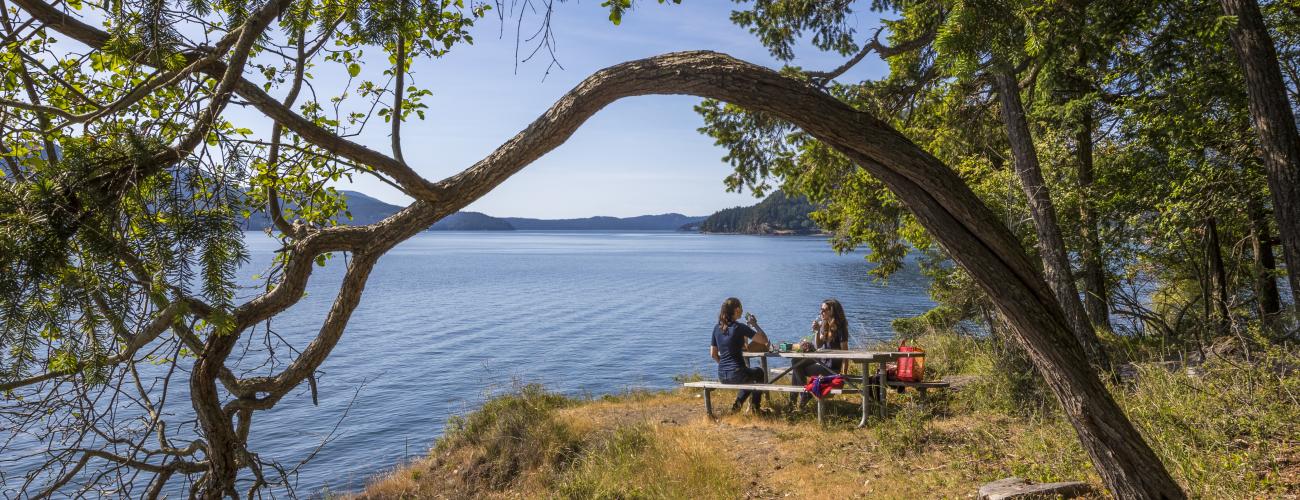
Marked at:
<point>36,108</point>
<point>331,331</point>
<point>399,73</point>
<point>884,51</point>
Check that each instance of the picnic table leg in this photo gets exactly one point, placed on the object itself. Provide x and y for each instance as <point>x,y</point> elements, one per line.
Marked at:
<point>763,362</point>
<point>880,375</point>
<point>866,395</point>
<point>819,411</point>
<point>708,403</point>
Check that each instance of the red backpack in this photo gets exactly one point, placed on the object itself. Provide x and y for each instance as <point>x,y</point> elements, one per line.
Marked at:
<point>910,369</point>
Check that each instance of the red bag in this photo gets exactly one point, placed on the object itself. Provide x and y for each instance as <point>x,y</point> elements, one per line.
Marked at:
<point>822,385</point>
<point>910,369</point>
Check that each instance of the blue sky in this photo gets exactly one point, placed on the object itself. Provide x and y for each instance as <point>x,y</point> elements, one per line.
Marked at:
<point>640,155</point>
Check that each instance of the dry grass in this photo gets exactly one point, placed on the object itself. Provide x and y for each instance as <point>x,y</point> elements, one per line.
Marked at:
<point>645,449</point>
<point>1227,434</point>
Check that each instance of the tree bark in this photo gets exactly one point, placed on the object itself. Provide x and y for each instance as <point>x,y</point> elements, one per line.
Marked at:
<point>1218,277</point>
<point>1051,246</point>
<point>1094,273</point>
<point>1261,244</point>
<point>1270,110</point>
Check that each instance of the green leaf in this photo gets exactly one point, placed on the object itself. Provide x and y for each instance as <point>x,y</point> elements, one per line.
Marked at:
<point>354,69</point>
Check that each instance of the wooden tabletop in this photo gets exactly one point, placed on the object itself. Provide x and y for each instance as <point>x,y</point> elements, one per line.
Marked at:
<point>839,354</point>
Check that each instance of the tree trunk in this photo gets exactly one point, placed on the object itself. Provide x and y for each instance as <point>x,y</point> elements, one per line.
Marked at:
<point>1218,278</point>
<point>1270,110</point>
<point>223,444</point>
<point>1261,244</point>
<point>1051,246</point>
<point>1094,273</point>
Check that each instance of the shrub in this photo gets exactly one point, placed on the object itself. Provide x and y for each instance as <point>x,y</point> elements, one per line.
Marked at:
<point>511,434</point>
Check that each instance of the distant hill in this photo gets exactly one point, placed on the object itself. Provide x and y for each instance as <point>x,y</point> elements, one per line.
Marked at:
<point>662,222</point>
<point>367,210</point>
<point>471,221</point>
<point>777,214</point>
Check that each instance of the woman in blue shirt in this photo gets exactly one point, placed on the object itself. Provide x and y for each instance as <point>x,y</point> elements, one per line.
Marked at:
<point>728,347</point>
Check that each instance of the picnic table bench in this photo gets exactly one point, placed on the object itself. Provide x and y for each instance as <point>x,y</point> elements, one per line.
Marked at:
<point>856,385</point>
<point>710,386</point>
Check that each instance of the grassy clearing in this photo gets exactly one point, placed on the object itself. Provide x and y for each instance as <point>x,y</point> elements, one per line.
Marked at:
<point>1226,430</point>
<point>531,443</point>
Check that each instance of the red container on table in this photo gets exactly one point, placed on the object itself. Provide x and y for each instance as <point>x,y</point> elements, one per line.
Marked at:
<point>910,369</point>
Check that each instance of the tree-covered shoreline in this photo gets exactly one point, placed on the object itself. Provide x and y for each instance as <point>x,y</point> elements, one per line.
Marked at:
<point>777,214</point>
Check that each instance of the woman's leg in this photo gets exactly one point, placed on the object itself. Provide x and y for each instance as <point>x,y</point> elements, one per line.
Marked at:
<point>756,397</point>
<point>746,375</point>
<point>798,377</point>
<point>740,399</point>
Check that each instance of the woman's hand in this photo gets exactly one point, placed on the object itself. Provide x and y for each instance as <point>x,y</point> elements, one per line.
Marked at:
<point>751,320</point>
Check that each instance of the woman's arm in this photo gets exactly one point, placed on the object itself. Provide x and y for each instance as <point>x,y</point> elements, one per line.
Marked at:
<point>823,335</point>
<point>759,334</point>
<point>713,351</point>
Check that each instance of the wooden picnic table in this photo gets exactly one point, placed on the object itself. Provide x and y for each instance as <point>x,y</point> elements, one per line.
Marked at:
<point>865,358</point>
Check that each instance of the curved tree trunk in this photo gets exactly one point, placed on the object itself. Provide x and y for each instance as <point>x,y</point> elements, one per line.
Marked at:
<point>1051,245</point>
<point>939,199</point>
<point>1274,122</point>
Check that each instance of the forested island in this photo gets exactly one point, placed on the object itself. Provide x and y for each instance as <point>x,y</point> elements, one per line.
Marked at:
<point>661,222</point>
<point>777,214</point>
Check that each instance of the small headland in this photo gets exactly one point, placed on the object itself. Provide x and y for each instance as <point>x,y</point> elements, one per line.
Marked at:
<point>1225,427</point>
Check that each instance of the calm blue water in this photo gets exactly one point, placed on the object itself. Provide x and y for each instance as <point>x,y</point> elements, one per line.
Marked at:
<point>449,317</point>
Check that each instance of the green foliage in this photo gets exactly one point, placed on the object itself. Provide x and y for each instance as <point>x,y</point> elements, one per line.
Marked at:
<point>1155,83</point>
<point>516,432</point>
<point>779,24</point>
<point>99,234</point>
<point>1224,429</point>
<point>1219,428</point>
<point>619,7</point>
<point>78,234</point>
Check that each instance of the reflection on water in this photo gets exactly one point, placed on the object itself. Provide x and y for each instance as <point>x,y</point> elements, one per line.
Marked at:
<point>448,317</point>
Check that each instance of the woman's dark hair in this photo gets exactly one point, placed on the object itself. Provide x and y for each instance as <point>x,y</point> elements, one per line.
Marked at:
<point>838,323</point>
<point>728,311</point>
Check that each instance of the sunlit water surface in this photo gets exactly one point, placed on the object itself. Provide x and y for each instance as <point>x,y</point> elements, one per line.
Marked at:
<point>448,318</point>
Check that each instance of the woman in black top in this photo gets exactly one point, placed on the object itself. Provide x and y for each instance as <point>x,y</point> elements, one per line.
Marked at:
<point>728,346</point>
<point>831,331</point>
